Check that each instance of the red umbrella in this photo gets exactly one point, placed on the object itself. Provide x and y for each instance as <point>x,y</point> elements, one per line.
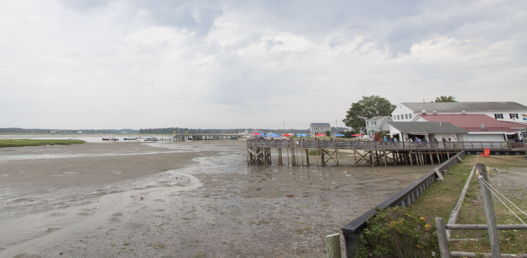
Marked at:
<point>320,134</point>
<point>256,134</point>
<point>287,135</point>
<point>357,135</point>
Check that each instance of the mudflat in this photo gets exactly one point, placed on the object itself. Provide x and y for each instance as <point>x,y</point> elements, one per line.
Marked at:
<point>191,199</point>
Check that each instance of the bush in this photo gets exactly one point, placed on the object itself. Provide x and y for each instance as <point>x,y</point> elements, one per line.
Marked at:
<point>314,152</point>
<point>396,232</point>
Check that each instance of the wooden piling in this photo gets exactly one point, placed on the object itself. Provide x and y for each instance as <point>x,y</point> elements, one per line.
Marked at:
<point>307,156</point>
<point>333,246</point>
<point>293,157</point>
<point>322,160</point>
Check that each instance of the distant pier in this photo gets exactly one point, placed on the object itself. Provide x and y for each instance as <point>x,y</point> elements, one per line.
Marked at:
<point>297,151</point>
<point>200,137</point>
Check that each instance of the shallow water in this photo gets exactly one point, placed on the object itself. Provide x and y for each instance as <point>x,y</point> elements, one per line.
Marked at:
<point>178,200</point>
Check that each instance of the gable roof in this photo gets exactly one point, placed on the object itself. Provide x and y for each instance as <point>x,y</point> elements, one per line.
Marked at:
<point>427,127</point>
<point>476,122</point>
<point>442,107</point>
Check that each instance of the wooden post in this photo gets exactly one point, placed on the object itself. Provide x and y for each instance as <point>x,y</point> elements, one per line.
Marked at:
<point>489,212</point>
<point>287,156</point>
<point>307,156</point>
<point>293,157</point>
<point>441,237</point>
<point>337,156</point>
<point>322,161</point>
<point>333,245</point>
<point>280,156</point>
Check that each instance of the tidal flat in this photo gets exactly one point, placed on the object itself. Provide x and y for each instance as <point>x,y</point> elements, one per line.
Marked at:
<point>189,199</point>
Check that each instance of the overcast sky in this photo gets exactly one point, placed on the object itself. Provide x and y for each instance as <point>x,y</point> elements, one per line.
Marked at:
<point>231,64</point>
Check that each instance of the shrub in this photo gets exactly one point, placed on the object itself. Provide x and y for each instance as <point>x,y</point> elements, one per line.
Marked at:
<point>314,152</point>
<point>396,232</point>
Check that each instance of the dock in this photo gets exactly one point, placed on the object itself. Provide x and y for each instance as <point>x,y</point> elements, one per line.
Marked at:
<point>371,153</point>
<point>201,137</point>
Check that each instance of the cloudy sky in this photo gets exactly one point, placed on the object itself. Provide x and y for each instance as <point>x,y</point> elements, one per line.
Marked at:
<point>238,63</point>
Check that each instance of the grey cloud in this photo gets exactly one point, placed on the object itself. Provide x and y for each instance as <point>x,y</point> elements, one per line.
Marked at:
<point>195,16</point>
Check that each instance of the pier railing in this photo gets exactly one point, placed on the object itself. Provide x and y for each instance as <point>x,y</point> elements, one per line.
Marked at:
<point>372,145</point>
<point>404,198</point>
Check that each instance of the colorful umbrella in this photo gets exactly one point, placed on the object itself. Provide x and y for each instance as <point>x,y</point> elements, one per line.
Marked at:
<point>256,134</point>
<point>287,135</point>
<point>301,135</point>
<point>357,135</point>
<point>320,134</point>
<point>339,135</point>
<point>272,135</point>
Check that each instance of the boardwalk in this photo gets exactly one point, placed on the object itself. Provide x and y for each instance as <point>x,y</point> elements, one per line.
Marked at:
<point>201,136</point>
<point>367,152</point>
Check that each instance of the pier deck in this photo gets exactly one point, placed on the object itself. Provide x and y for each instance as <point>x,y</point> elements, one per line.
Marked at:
<point>368,152</point>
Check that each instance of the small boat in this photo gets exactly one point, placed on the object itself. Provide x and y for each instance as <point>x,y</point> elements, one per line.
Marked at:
<point>130,138</point>
<point>151,139</point>
<point>113,139</point>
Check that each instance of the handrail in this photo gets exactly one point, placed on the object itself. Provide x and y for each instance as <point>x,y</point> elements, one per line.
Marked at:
<point>372,145</point>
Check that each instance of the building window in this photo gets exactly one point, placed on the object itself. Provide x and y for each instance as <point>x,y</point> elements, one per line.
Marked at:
<point>498,116</point>
<point>514,115</point>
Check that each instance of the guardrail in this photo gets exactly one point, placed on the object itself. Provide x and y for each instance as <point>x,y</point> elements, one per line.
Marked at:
<point>404,198</point>
<point>372,145</point>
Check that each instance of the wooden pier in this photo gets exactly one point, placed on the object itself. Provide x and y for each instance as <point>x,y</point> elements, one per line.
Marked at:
<point>201,137</point>
<point>299,152</point>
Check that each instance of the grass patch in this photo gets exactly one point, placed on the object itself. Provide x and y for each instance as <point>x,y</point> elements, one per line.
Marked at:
<point>35,142</point>
<point>440,199</point>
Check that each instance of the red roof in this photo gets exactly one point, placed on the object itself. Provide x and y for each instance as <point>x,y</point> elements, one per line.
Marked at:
<point>476,122</point>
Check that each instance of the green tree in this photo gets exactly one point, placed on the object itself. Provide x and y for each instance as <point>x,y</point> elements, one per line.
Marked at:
<point>365,108</point>
<point>446,99</point>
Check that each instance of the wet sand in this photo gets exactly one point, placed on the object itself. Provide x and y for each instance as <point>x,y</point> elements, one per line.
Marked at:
<point>192,199</point>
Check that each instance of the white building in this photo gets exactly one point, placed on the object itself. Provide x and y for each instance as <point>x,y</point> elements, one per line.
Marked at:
<point>503,111</point>
<point>315,128</point>
<point>377,124</point>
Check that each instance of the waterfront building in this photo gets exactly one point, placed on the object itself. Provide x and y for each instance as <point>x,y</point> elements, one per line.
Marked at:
<point>502,111</point>
<point>479,127</point>
<point>377,124</point>
<point>425,131</point>
<point>316,128</point>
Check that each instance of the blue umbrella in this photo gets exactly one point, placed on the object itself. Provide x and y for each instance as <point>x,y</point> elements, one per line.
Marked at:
<point>272,135</point>
<point>339,135</point>
<point>301,135</point>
